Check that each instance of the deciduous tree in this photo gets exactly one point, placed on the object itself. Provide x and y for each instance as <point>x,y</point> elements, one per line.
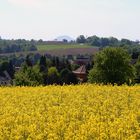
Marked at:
<point>112,65</point>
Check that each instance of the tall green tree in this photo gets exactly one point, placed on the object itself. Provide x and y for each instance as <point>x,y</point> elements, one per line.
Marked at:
<point>28,61</point>
<point>67,77</point>
<point>53,76</point>
<point>28,76</point>
<point>104,42</point>
<point>94,41</point>
<point>112,65</point>
<point>11,69</point>
<point>81,39</point>
<point>43,64</point>
<point>113,41</point>
<point>43,68</point>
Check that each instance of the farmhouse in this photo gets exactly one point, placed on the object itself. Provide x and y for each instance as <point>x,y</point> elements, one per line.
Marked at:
<point>81,73</point>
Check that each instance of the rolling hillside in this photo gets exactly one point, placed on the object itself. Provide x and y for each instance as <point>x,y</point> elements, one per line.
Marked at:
<point>61,46</point>
<point>59,50</point>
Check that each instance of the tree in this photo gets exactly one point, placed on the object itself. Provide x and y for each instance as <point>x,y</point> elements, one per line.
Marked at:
<point>32,48</point>
<point>65,40</point>
<point>43,69</point>
<point>28,76</point>
<point>4,66</point>
<point>43,64</point>
<point>104,42</point>
<point>68,77</point>
<point>137,66</point>
<point>112,65</point>
<point>11,69</point>
<point>125,42</point>
<point>53,76</point>
<point>81,39</point>
<point>40,41</point>
<point>28,61</point>
<point>113,41</point>
<point>94,41</point>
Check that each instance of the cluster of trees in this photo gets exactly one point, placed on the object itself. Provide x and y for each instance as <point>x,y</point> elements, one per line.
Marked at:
<point>133,47</point>
<point>113,66</point>
<point>20,45</point>
<point>104,41</point>
<point>45,72</point>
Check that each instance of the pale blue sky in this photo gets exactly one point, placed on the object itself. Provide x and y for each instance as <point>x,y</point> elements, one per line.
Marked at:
<point>48,19</point>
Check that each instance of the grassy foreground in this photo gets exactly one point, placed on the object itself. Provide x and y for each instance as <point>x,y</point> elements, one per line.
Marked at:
<point>82,112</point>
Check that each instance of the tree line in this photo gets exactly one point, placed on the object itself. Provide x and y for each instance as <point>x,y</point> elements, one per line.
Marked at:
<point>104,41</point>
<point>112,65</point>
<point>133,47</point>
<point>45,72</point>
<point>19,45</point>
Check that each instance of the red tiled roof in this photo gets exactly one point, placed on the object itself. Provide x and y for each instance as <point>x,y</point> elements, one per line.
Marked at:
<point>80,70</point>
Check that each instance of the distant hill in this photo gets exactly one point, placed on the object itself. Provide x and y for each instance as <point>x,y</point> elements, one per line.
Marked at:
<point>61,38</point>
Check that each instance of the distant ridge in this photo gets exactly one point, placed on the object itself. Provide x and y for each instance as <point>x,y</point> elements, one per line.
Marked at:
<point>61,38</point>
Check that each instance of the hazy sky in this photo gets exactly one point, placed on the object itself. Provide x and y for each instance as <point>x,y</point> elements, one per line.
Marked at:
<point>48,19</point>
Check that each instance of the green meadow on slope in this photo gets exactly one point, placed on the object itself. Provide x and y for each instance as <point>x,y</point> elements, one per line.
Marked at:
<point>61,46</point>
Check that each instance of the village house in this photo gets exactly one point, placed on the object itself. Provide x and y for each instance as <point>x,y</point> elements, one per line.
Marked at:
<point>81,73</point>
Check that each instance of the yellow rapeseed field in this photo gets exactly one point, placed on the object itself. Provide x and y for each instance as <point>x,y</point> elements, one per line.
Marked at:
<point>82,112</point>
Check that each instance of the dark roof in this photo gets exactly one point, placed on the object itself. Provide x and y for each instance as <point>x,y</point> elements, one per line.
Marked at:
<point>80,70</point>
<point>82,57</point>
